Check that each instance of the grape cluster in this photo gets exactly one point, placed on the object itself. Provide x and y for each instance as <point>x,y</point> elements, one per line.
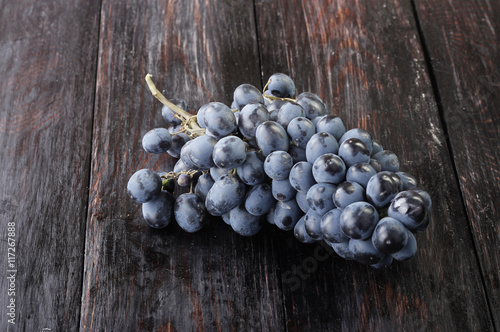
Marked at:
<point>272,157</point>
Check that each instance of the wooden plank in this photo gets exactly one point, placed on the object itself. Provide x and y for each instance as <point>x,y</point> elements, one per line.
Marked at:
<point>137,278</point>
<point>47,64</point>
<point>463,43</point>
<point>365,60</point>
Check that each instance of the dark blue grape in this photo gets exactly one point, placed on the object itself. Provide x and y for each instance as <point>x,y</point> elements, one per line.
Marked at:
<point>185,157</point>
<point>330,227</point>
<point>358,220</point>
<point>300,131</point>
<point>316,120</point>
<point>247,94</point>
<point>251,172</point>
<point>377,147</point>
<point>200,152</point>
<point>190,212</point>
<point>205,182</point>
<point>301,198</point>
<point>382,188</point>
<point>360,173</point>
<point>360,134</point>
<point>243,222</point>
<point>278,165</point>
<point>408,180</point>
<point>301,177</point>
<point>281,85</point>
<point>184,180</point>
<point>426,197</point>
<point>332,125</point>
<point>219,120</point>
<point>271,137</point>
<point>169,115</point>
<point>226,218</point>
<point>312,223</point>
<point>354,151</point>
<point>216,172</point>
<point>259,200</point>
<point>342,249</point>
<point>158,212</point>
<point>229,152</point>
<point>270,215</point>
<point>144,185</point>
<point>283,190</point>
<point>423,226</point>
<point>385,262</point>
<point>409,208</point>
<point>288,112</point>
<point>348,193</point>
<point>287,214</point>
<point>178,141</point>
<point>312,104</point>
<point>389,236</point>
<point>409,250</point>
<point>157,141</point>
<point>376,165</point>
<point>273,109</point>
<point>200,116</point>
<point>319,197</point>
<point>329,168</point>
<point>251,116</point>
<point>180,166</point>
<point>297,154</point>
<point>388,160</point>
<point>319,144</point>
<point>300,233</point>
<point>226,193</point>
<point>364,252</point>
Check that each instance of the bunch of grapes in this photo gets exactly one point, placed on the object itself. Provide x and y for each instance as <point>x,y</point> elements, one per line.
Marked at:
<point>272,157</point>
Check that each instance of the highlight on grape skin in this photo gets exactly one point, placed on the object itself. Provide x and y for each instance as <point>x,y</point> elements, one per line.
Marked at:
<point>278,159</point>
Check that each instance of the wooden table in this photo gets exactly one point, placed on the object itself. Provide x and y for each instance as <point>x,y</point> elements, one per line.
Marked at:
<point>423,76</point>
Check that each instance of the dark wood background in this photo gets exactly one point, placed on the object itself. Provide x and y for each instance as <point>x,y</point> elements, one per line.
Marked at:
<point>423,76</point>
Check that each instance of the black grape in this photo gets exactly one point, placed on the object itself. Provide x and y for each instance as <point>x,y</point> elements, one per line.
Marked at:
<point>287,214</point>
<point>259,199</point>
<point>281,85</point>
<point>246,94</point>
<point>332,125</point>
<point>251,172</point>
<point>144,185</point>
<point>278,165</point>
<point>158,212</point>
<point>312,223</point>
<point>226,193</point>
<point>251,116</point>
<point>190,212</point>
<point>271,137</point>
<point>229,152</point>
<point>157,141</point>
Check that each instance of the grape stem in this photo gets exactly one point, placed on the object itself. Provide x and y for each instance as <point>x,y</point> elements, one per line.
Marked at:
<point>269,97</point>
<point>174,175</point>
<point>188,120</point>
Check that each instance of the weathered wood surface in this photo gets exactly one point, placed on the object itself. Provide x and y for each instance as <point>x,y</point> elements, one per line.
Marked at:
<point>48,59</point>
<point>366,61</point>
<point>137,279</point>
<point>463,42</point>
<point>87,261</point>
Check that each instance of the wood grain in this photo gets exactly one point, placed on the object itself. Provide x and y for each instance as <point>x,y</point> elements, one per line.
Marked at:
<point>365,60</point>
<point>47,64</point>
<point>463,44</point>
<point>138,279</point>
